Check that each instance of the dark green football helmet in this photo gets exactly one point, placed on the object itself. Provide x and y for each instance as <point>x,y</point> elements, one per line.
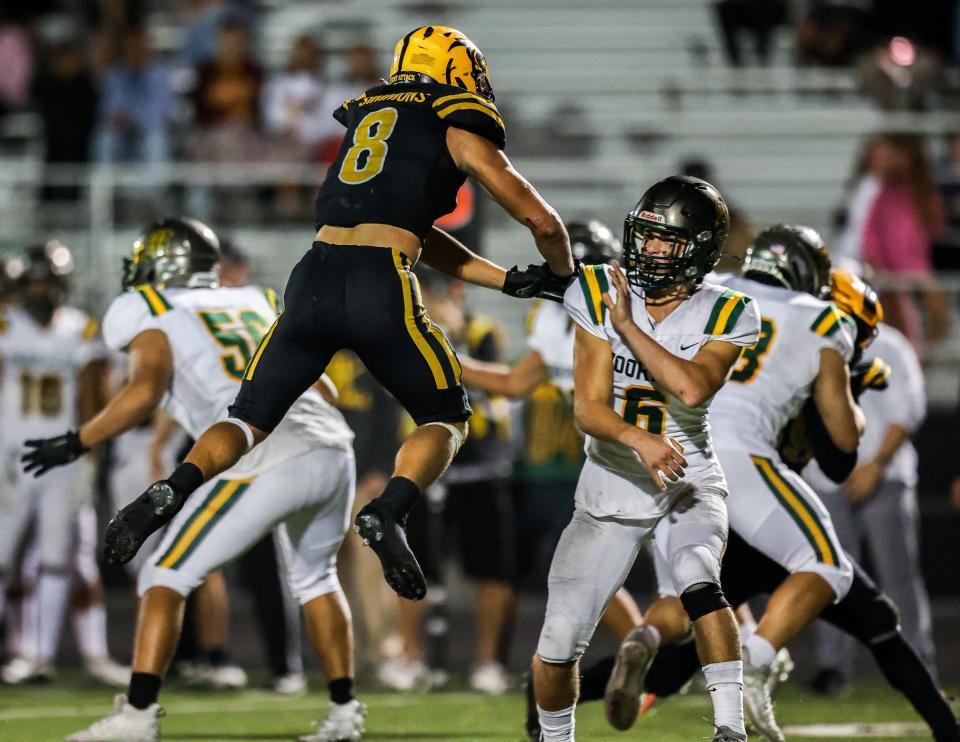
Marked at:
<point>792,256</point>
<point>593,242</point>
<point>173,252</point>
<point>690,215</point>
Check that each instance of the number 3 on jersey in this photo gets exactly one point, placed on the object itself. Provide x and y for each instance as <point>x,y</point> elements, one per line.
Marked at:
<point>365,159</point>
<point>751,359</point>
<point>644,403</point>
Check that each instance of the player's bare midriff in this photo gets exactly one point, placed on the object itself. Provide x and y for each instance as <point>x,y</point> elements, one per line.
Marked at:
<point>374,235</point>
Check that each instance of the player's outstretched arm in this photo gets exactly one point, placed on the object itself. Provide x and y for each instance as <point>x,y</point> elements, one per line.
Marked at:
<point>515,382</point>
<point>593,381</point>
<point>480,159</point>
<point>693,382</point>
<point>842,417</point>
<point>450,256</point>
<point>148,378</point>
<point>151,368</point>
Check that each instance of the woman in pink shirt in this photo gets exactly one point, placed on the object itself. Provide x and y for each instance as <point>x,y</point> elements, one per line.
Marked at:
<point>905,216</point>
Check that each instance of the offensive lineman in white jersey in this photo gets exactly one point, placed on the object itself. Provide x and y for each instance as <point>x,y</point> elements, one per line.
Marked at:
<point>50,359</point>
<point>804,347</point>
<point>189,342</point>
<point>650,470</point>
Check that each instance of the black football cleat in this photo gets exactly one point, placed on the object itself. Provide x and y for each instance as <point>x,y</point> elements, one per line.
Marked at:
<point>381,531</point>
<point>532,723</point>
<point>139,520</point>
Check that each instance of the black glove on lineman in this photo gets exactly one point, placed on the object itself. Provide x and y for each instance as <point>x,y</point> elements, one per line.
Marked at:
<point>49,453</point>
<point>538,281</point>
<point>873,374</point>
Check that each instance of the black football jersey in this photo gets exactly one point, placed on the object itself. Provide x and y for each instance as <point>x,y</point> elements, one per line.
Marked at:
<point>393,166</point>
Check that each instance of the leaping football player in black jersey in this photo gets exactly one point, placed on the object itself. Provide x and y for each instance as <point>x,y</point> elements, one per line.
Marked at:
<point>409,146</point>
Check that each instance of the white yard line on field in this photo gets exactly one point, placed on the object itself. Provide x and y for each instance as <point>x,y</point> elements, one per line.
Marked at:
<point>246,704</point>
<point>864,730</point>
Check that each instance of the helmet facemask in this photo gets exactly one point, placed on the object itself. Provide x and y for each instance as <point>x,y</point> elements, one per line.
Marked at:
<point>674,261</point>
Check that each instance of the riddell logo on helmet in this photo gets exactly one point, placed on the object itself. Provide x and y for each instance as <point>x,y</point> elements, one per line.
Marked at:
<point>651,217</point>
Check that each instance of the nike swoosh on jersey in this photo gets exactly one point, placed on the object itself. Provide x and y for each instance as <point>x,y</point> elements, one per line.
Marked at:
<point>687,347</point>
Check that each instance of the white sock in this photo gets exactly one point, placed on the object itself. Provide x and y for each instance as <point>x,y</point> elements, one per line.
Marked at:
<point>557,726</point>
<point>758,652</point>
<point>725,683</point>
<point>747,629</point>
<point>53,591</point>
<point>90,628</point>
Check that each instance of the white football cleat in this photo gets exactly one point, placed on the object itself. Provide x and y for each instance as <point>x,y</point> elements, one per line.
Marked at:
<point>490,678</point>
<point>291,684</point>
<point>22,670</point>
<point>780,669</point>
<point>757,706</point>
<point>343,723</point>
<point>125,724</point>
<point>108,671</point>
<point>220,677</point>
<point>402,674</point>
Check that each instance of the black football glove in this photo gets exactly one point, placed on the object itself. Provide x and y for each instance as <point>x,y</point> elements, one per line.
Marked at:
<point>538,281</point>
<point>874,374</point>
<point>49,453</point>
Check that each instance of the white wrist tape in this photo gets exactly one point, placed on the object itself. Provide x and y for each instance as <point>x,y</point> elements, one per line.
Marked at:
<point>247,431</point>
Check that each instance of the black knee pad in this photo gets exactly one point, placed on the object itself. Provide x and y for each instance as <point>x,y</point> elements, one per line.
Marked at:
<point>702,599</point>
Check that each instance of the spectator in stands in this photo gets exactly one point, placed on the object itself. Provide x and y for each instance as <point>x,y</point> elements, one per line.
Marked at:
<point>16,63</point>
<point>834,32</point>
<point>65,98</point>
<point>199,41</point>
<point>234,265</point>
<point>898,73</point>
<point>947,248</point>
<point>904,218</point>
<point>298,115</point>
<point>138,106</point>
<point>226,107</point>
<point>758,18</point>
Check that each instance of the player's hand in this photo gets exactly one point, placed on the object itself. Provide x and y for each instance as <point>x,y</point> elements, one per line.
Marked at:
<point>863,482</point>
<point>49,453</point>
<point>872,374</point>
<point>621,313</point>
<point>537,281</point>
<point>662,456</point>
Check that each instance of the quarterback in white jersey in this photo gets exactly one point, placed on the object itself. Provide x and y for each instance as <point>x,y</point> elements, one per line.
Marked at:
<point>803,352</point>
<point>650,471</point>
<point>49,364</point>
<point>189,342</point>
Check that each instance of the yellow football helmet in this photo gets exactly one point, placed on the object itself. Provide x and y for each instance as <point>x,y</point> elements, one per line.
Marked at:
<point>857,298</point>
<point>441,54</point>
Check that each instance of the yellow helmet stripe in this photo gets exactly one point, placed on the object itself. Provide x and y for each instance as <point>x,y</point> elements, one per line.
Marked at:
<point>474,107</point>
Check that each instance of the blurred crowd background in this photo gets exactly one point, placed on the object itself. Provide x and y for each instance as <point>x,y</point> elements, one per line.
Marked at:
<point>840,114</point>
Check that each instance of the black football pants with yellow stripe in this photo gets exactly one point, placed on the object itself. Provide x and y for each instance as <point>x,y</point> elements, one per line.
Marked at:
<point>364,299</point>
<point>865,613</point>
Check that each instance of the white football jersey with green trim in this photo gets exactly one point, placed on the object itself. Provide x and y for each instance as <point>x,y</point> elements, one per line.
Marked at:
<point>39,372</point>
<point>550,332</point>
<point>213,333</point>
<point>773,378</point>
<point>711,313</point>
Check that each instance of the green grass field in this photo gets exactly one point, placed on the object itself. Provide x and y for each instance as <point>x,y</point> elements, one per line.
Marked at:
<point>38,714</point>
